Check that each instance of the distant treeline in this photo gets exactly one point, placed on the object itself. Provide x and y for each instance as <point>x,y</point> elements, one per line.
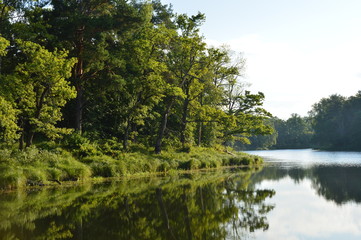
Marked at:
<point>334,123</point>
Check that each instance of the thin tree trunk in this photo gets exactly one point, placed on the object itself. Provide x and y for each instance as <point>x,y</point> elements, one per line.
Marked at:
<point>200,126</point>
<point>79,229</point>
<point>163,127</point>
<point>79,109</point>
<point>126,136</point>
<point>29,140</point>
<point>21,141</point>
<point>186,88</point>
<point>184,121</point>
<point>78,78</point>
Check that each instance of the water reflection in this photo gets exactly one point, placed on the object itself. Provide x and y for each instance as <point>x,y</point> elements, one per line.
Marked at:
<point>335,176</point>
<point>202,206</point>
<point>310,201</point>
<point>334,183</point>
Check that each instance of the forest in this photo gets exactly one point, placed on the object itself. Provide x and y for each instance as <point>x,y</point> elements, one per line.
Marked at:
<point>334,123</point>
<point>89,83</point>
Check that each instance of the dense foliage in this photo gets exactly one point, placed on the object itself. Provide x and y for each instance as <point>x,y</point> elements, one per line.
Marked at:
<point>295,132</point>
<point>127,71</point>
<point>337,122</point>
<point>333,123</point>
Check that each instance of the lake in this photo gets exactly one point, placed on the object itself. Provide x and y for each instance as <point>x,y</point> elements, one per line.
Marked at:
<point>298,194</point>
<point>318,194</point>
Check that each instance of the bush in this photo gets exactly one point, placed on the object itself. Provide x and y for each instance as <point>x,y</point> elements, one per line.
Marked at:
<point>81,146</point>
<point>111,147</point>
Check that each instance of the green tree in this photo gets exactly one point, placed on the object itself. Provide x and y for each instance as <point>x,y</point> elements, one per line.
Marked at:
<point>295,132</point>
<point>246,116</point>
<point>328,122</point>
<point>3,45</point>
<point>336,122</point>
<point>138,85</point>
<point>39,89</point>
<point>183,72</point>
<point>261,141</point>
<point>8,126</point>
<point>208,111</point>
<point>352,118</point>
<point>89,30</point>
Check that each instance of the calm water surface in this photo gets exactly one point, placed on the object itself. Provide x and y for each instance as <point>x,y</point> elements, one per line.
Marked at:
<point>318,194</point>
<point>298,194</point>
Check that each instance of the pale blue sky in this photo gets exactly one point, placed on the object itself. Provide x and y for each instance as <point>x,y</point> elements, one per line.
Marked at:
<point>297,51</point>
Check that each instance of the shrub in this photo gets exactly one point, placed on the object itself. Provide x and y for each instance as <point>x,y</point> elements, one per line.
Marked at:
<point>81,146</point>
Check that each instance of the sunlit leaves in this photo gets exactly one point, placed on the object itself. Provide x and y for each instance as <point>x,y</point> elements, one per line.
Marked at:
<point>8,126</point>
<point>39,88</point>
<point>3,45</point>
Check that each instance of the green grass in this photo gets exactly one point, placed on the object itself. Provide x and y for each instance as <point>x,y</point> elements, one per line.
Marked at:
<point>37,167</point>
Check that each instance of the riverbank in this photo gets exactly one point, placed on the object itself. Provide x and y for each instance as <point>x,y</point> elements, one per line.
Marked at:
<point>37,166</point>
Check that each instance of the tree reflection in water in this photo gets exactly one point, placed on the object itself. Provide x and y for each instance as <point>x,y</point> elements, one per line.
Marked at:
<point>202,206</point>
<point>336,183</point>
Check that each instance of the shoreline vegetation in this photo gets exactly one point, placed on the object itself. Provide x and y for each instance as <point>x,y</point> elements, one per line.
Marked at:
<point>106,89</point>
<point>37,166</point>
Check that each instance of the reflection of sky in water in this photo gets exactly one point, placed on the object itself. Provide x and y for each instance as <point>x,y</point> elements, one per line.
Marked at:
<point>301,214</point>
<point>306,207</point>
<point>308,157</point>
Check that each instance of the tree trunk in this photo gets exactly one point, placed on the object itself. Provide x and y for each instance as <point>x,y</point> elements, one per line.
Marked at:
<point>184,122</point>
<point>186,89</point>
<point>29,139</point>
<point>78,78</point>
<point>163,127</point>
<point>79,230</point>
<point>126,136</point>
<point>21,141</point>
<point>79,109</point>
<point>200,126</point>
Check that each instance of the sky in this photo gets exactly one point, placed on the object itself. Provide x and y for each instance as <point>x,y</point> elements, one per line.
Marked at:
<point>297,51</point>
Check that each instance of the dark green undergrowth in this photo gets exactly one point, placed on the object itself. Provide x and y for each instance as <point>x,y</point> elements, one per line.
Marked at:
<point>49,164</point>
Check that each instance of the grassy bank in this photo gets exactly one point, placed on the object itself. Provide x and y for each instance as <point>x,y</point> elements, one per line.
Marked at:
<point>37,166</point>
